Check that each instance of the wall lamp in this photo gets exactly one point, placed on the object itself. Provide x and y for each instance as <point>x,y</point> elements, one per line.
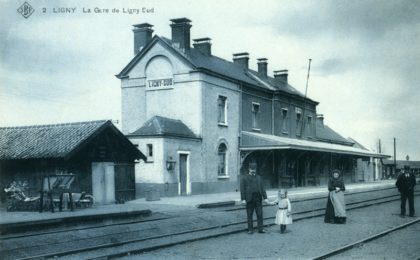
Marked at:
<point>170,164</point>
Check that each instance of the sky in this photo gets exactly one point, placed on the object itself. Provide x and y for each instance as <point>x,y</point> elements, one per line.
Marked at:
<point>58,67</point>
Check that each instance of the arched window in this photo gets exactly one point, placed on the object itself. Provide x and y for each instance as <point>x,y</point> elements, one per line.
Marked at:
<point>222,166</point>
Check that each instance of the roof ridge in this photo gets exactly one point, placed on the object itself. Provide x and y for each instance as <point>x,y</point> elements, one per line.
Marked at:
<point>167,118</point>
<point>163,126</point>
<point>193,57</point>
<point>156,123</point>
<point>248,71</point>
<point>58,124</point>
<point>261,81</point>
<point>160,125</point>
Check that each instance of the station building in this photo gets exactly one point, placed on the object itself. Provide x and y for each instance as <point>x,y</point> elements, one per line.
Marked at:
<point>201,119</point>
<point>392,168</point>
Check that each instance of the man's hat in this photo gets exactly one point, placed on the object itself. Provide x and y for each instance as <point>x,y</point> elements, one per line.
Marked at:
<point>407,167</point>
<point>252,165</point>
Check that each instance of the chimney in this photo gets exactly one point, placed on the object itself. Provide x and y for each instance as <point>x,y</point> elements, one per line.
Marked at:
<point>181,33</point>
<point>203,45</point>
<point>241,59</point>
<point>262,67</point>
<point>280,76</point>
<point>142,36</point>
<point>320,118</point>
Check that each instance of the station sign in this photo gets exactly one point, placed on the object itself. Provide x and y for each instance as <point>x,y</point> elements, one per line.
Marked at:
<point>157,84</point>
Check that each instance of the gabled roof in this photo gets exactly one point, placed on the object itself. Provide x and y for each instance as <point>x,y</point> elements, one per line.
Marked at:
<point>124,72</point>
<point>53,141</point>
<point>162,126</point>
<point>215,65</point>
<point>325,134</point>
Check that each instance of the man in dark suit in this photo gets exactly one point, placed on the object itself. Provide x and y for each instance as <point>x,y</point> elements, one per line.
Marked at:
<point>405,184</point>
<point>252,193</point>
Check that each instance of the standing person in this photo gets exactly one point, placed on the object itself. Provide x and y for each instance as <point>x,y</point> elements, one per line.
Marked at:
<point>405,184</point>
<point>335,211</point>
<point>284,211</point>
<point>252,193</point>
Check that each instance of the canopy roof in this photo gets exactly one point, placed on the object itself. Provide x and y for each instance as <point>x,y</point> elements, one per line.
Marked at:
<point>255,141</point>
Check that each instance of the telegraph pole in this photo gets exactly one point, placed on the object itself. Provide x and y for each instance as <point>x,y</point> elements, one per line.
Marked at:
<point>304,101</point>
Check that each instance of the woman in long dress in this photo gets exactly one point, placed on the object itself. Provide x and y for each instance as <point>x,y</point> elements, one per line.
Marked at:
<point>335,211</point>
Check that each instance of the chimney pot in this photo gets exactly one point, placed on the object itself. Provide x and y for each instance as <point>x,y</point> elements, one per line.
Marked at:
<point>142,36</point>
<point>320,118</point>
<point>203,45</point>
<point>280,76</point>
<point>262,67</point>
<point>181,32</point>
<point>241,59</point>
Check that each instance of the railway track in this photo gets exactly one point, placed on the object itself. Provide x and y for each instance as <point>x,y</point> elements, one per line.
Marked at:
<point>121,241</point>
<point>364,240</point>
<point>8,234</point>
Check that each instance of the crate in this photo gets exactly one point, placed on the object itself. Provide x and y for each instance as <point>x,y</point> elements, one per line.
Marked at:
<point>152,194</point>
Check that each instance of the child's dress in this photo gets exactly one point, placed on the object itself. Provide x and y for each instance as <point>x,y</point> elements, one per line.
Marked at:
<point>284,207</point>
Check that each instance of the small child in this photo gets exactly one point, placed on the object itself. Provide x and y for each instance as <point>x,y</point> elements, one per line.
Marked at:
<point>284,211</point>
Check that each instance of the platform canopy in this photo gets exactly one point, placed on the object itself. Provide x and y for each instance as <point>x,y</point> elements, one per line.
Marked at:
<point>257,142</point>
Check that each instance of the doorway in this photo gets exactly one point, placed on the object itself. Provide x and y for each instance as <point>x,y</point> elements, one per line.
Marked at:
<point>183,188</point>
<point>103,182</point>
<point>125,184</point>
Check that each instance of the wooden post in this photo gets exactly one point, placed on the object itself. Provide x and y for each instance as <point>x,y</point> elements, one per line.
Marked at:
<point>71,201</point>
<point>50,195</point>
<point>60,205</point>
<point>41,200</point>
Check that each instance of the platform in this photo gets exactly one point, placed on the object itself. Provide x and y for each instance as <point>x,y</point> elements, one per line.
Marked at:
<point>168,204</point>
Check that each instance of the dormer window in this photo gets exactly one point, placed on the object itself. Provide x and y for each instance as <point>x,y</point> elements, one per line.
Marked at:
<point>309,126</point>
<point>284,121</point>
<point>255,111</point>
<point>298,112</point>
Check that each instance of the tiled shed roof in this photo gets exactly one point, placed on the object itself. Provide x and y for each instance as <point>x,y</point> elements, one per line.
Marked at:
<point>162,126</point>
<point>47,141</point>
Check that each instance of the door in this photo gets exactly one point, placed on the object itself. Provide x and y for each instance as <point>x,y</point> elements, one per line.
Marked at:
<point>103,184</point>
<point>125,185</point>
<point>183,177</point>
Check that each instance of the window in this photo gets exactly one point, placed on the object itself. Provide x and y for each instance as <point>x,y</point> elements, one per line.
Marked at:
<point>309,126</point>
<point>284,125</point>
<point>255,111</point>
<point>222,169</point>
<point>149,152</point>
<point>298,121</point>
<point>222,110</point>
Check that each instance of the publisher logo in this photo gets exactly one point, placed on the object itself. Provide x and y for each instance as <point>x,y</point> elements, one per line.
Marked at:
<point>25,10</point>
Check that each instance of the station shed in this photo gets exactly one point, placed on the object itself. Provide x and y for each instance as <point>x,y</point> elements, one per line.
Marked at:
<point>101,158</point>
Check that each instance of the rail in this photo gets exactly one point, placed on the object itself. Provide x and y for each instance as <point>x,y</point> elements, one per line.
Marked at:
<point>174,238</point>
